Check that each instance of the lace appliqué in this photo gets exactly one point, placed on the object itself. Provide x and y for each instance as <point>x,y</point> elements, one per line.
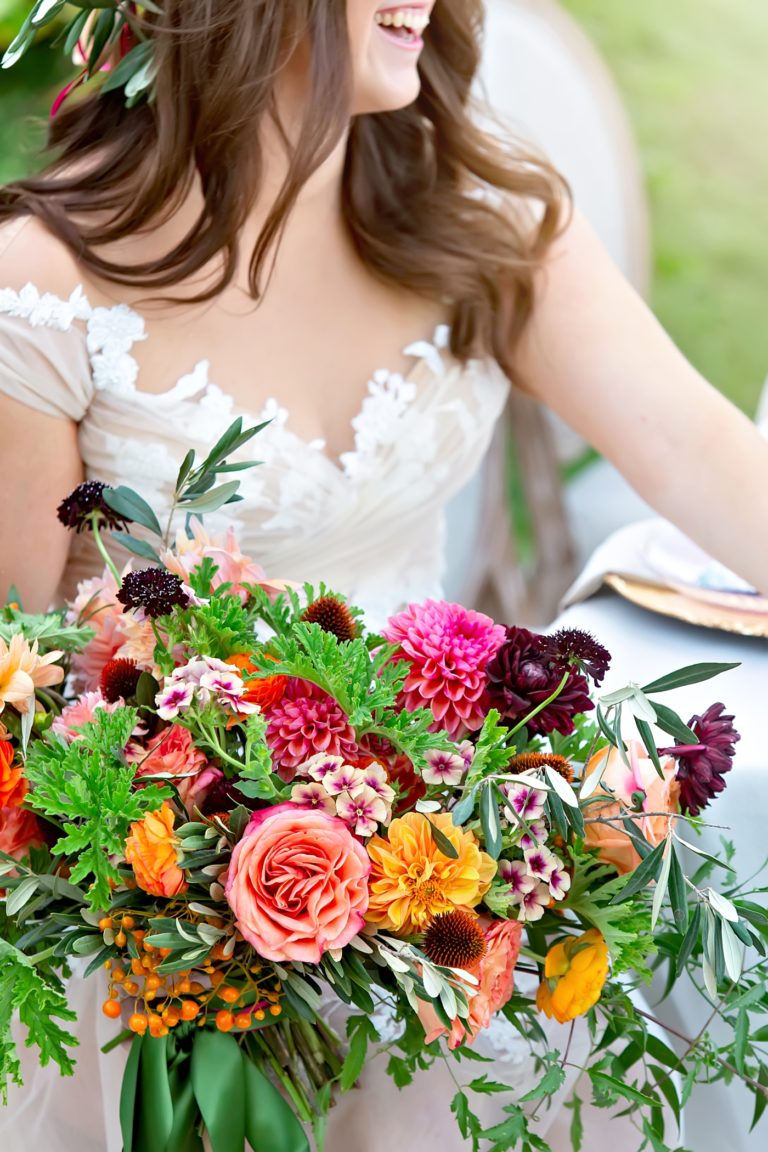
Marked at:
<point>112,332</point>
<point>44,310</point>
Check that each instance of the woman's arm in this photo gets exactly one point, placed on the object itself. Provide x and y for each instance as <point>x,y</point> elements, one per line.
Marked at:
<point>39,466</point>
<point>596,355</point>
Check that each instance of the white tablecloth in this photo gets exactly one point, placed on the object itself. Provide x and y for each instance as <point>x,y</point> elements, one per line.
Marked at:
<point>644,647</point>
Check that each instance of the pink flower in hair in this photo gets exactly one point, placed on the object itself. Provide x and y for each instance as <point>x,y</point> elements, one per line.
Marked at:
<point>448,648</point>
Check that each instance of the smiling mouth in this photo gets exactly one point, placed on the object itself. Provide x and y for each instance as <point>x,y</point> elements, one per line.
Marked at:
<point>404,25</point>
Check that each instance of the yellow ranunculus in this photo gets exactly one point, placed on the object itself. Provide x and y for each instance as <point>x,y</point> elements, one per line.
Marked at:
<point>574,974</point>
<point>152,850</point>
<point>412,881</point>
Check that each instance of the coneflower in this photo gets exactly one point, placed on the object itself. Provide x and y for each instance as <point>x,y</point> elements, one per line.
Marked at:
<point>535,761</point>
<point>454,940</point>
<point>333,616</point>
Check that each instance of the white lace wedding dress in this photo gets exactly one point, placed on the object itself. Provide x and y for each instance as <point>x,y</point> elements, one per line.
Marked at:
<point>370,524</point>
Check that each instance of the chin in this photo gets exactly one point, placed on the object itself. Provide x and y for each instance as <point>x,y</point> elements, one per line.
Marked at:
<point>371,98</point>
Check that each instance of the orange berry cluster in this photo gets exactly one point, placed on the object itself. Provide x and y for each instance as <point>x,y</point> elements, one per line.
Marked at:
<point>163,1001</point>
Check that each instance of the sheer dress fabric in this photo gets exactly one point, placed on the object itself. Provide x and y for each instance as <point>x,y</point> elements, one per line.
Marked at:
<point>370,524</point>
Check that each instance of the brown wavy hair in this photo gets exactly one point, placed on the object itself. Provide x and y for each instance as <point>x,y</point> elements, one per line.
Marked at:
<point>408,178</point>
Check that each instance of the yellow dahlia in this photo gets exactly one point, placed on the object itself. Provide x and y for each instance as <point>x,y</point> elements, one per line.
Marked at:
<point>574,974</point>
<point>412,881</point>
<point>22,670</point>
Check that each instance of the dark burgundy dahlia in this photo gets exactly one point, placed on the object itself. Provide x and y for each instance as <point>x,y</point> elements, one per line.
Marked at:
<point>524,673</point>
<point>701,767</point>
<point>77,509</point>
<point>156,591</point>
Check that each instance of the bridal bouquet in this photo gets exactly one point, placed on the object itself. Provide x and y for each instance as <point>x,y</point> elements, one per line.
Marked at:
<point>230,805</point>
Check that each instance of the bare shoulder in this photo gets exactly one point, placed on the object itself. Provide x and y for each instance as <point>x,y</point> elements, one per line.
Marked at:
<point>31,254</point>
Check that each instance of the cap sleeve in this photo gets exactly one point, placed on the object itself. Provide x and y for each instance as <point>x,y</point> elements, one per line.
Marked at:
<point>47,368</point>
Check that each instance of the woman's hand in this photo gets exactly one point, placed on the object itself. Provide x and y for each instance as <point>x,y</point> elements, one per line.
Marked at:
<point>595,354</point>
<point>39,466</point>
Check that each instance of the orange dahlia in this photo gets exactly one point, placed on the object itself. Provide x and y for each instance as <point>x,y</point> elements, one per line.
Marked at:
<point>152,850</point>
<point>13,784</point>
<point>574,974</point>
<point>412,881</point>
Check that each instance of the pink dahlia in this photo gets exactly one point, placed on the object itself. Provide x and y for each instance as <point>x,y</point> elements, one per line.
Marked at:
<point>448,648</point>
<point>306,721</point>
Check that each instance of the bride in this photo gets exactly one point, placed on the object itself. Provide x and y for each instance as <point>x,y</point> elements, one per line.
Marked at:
<point>302,224</point>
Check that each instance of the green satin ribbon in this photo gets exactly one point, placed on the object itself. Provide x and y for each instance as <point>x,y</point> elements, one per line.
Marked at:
<point>170,1088</point>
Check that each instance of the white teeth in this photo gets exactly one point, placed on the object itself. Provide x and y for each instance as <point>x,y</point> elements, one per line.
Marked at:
<point>410,18</point>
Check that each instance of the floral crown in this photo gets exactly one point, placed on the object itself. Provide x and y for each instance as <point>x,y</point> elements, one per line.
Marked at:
<point>105,37</point>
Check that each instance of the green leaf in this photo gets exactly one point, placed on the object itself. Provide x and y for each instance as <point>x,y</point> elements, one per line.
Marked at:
<point>354,1060</point>
<point>133,507</point>
<point>670,722</point>
<point>691,674</point>
<point>136,60</point>
<point>138,547</point>
<point>491,822</point>
<point>741,1040</point>
<point>646,735</point>
<point>620,1088</point>
<point>186,467</point>
<point>211,501</point>
<point>577,1124</point>
<point>646,871</point>
<point>761,1098</point>
<point>689,940</point>
<point>442,842</point>
<point>465,807</point>
<point>661,884</point>
<point>551,1082</point>
<point>678,893</point>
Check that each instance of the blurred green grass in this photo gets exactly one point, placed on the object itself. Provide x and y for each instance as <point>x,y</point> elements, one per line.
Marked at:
<point>694,79</point>
<point>693,76</point>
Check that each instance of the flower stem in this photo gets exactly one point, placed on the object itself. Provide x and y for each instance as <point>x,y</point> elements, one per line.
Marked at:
<point>102,549</point>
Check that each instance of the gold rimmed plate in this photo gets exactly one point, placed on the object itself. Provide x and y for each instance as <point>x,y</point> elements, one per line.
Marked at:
<point>706,608</point>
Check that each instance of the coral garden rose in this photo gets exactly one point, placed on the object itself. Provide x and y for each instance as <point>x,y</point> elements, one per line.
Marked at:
<point>19,831</point>
<point>173,753</point>
<point>638,782</point>
<point>495,972</point>
<point>13,783</point>
<point>152,850</point>
<point>574,974</point>
<point>79,713</point>
<point>412,881</point>
<point>298,883</point>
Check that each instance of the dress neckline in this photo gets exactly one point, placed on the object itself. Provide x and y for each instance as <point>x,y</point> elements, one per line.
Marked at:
<point>112,331</point>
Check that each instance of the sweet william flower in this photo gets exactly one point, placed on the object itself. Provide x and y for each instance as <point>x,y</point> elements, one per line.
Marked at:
<point>575,972</point>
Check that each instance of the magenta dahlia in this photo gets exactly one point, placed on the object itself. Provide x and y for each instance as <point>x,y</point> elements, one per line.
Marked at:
<point>524,673</point>
<point>305,721</point>
<point>448,648</point>
<point>701,767</point>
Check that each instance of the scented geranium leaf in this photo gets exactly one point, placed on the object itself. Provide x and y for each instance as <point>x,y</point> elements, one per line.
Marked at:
<point>49,630</point>
<point>492,750</point>
<point>86,787</point>
<point>41,1004</point>
<point>626,927</point>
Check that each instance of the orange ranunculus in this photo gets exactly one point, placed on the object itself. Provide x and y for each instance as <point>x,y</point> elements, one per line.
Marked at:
<point>13,783</point>
<point>574,974</point>
<point>152,850</point>
<point>495,972</point>
<point>264,691</point>
<point>661,796</point>
<point>412,881</point>
<point>22,670</point>
<point>19,831</point>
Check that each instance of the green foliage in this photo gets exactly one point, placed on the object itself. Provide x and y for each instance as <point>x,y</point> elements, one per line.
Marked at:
<point>40,1003</point>
<point>625,926</point>
<point>86,787</point>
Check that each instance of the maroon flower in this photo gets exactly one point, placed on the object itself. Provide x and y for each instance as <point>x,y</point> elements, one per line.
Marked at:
<point>154,590</point>
<point>524,673</point>
<point>77,510</point>
<point>701,767</point>
<point>579,647</point>
<point>119,679</point>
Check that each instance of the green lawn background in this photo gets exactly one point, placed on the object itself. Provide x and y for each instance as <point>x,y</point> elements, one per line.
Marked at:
<point>694,78</point>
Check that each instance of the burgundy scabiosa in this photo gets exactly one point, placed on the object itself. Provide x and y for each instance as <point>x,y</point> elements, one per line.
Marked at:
<point>156,591</point>
<point>306,721</point>
<point>77,510</point>
<point>577,646</point>
<point>447,648</point>
<point>524,673</point>
<point>701,767</point>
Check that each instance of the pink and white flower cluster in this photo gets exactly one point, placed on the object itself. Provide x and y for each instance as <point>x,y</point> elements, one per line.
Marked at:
<point>361,797</point>
<point>541,876</point>
<point>448,768</point>
<point>203,681</point>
